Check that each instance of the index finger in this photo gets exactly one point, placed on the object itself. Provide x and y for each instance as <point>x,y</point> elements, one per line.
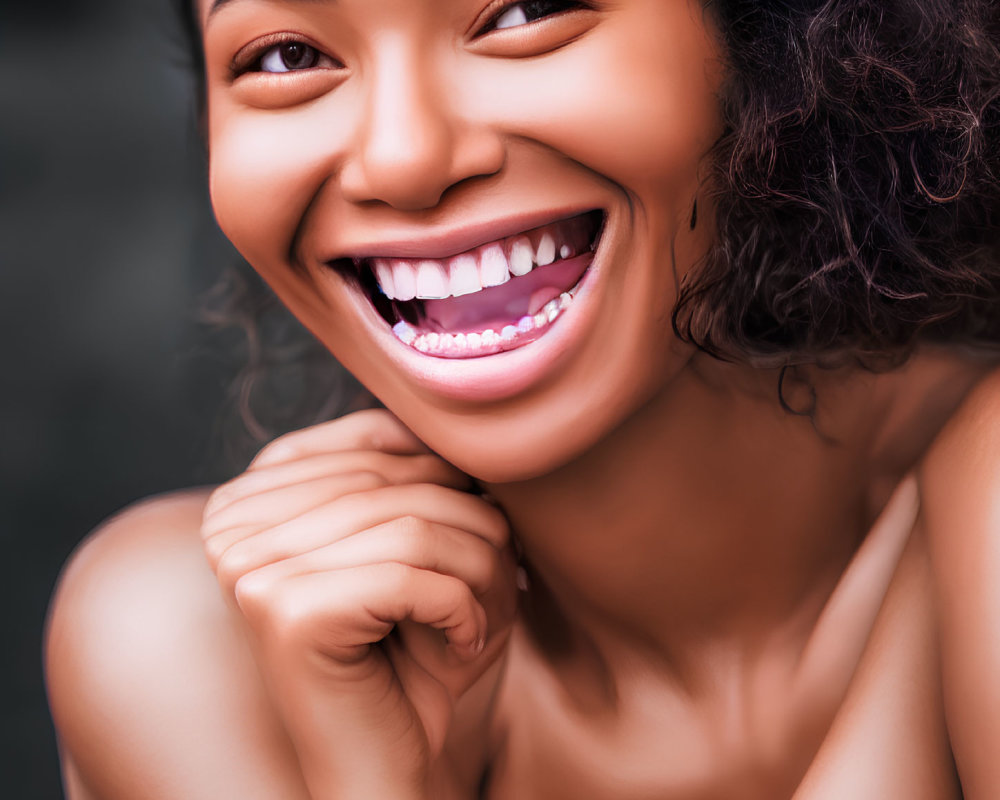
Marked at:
<point>373,429</point>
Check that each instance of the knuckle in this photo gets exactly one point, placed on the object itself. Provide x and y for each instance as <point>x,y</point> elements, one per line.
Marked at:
<point>456,591</point>
<point>396,578</point>
<point>273,611</point>
<point>412,526</point>
<point>414,542</point>
<point>253,592</point>
<point>234,564</point>
<point>214,547</point>
<point>287,620</point>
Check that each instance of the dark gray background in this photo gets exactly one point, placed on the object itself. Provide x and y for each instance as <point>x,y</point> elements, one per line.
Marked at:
<point>110,388</point>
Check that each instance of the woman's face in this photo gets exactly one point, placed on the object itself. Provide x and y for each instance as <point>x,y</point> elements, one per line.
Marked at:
<point>380,162</point>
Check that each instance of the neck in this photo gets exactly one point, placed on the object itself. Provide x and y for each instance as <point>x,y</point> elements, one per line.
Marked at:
<point>710,514</point>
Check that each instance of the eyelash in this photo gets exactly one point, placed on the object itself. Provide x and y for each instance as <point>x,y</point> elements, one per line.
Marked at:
<point>253,59</point>
<point>545,6</point>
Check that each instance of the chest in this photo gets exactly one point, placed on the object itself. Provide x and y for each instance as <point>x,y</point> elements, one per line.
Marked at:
<point>649,742</point>
<point>863,721</point>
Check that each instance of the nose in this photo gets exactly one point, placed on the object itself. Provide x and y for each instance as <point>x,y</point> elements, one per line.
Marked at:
<point>413,143</point>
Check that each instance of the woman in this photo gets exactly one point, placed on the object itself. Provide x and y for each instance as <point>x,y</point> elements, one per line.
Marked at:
<point>584,552</point>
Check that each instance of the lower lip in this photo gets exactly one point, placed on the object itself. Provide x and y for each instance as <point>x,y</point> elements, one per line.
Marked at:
<point>490,377</point>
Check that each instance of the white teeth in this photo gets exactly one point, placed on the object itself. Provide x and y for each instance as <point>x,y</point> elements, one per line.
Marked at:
<point>512,17</point>
<point>404,280</point>
<point>486,343</point>
<point>404,332</point>
<point>464,275</point>
<point>493,266</point>
<point>546,250</point>
<point>432,281</point>
<point>489,265</point>
<point>383,272</point>
<point>521,256</point>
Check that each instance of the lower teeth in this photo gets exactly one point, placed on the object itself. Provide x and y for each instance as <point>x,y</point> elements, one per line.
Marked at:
<point>487,341</point>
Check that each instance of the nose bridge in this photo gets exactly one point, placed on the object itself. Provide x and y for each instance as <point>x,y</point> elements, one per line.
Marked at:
<point>407,148</point>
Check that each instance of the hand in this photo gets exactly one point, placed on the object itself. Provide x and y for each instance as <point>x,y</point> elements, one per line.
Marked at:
<point>377,587</point>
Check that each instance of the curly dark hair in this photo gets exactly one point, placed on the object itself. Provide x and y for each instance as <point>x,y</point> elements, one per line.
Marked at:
<point>857,183</point>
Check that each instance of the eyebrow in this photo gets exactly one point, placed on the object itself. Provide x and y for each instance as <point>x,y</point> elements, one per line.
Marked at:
<point>218,4</point>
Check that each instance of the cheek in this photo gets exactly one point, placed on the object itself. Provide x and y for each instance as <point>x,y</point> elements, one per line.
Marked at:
<point>632,103</point>
<point>265,170</point>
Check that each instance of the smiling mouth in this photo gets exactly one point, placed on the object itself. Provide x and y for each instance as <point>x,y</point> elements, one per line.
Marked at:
<point>495,297</point>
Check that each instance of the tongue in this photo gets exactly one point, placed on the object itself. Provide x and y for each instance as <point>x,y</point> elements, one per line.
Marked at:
<point>503,305</point>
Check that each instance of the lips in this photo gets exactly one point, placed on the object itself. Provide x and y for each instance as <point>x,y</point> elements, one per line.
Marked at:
<point>496,296</point>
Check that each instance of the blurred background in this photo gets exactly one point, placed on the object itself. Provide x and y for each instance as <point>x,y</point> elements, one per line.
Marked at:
<point>112,389</point>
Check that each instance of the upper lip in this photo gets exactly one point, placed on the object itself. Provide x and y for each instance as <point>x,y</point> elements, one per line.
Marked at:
<point>439,243</point>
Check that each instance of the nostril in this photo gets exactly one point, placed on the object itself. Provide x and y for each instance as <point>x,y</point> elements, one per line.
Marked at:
<point>396,184</point>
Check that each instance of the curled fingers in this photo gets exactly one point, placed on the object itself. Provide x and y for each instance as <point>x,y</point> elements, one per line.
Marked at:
<point>370,430</point>
<point>314,469</point>
<point>405,540</point>
<point>245,547</point>
<point>341,613</point>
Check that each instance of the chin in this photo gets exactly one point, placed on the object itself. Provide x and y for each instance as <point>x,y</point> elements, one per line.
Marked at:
<point>542,435</point>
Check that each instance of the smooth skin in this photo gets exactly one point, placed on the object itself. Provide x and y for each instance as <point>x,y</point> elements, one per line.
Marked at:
<point>719,599</point>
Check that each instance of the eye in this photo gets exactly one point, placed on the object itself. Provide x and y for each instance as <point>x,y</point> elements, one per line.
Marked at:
<point>289,56</point>
<point>516,14</point>
<point>278,54</point>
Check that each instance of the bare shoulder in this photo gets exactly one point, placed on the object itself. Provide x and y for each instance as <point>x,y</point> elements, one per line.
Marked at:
<point>150,553</point>
<point>959,478</point>
<point>970,438</point>
<point>960,513</point>
<point>152,685</point>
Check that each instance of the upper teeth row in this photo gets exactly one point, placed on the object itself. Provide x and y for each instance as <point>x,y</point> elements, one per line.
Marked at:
<point>489,265</point>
